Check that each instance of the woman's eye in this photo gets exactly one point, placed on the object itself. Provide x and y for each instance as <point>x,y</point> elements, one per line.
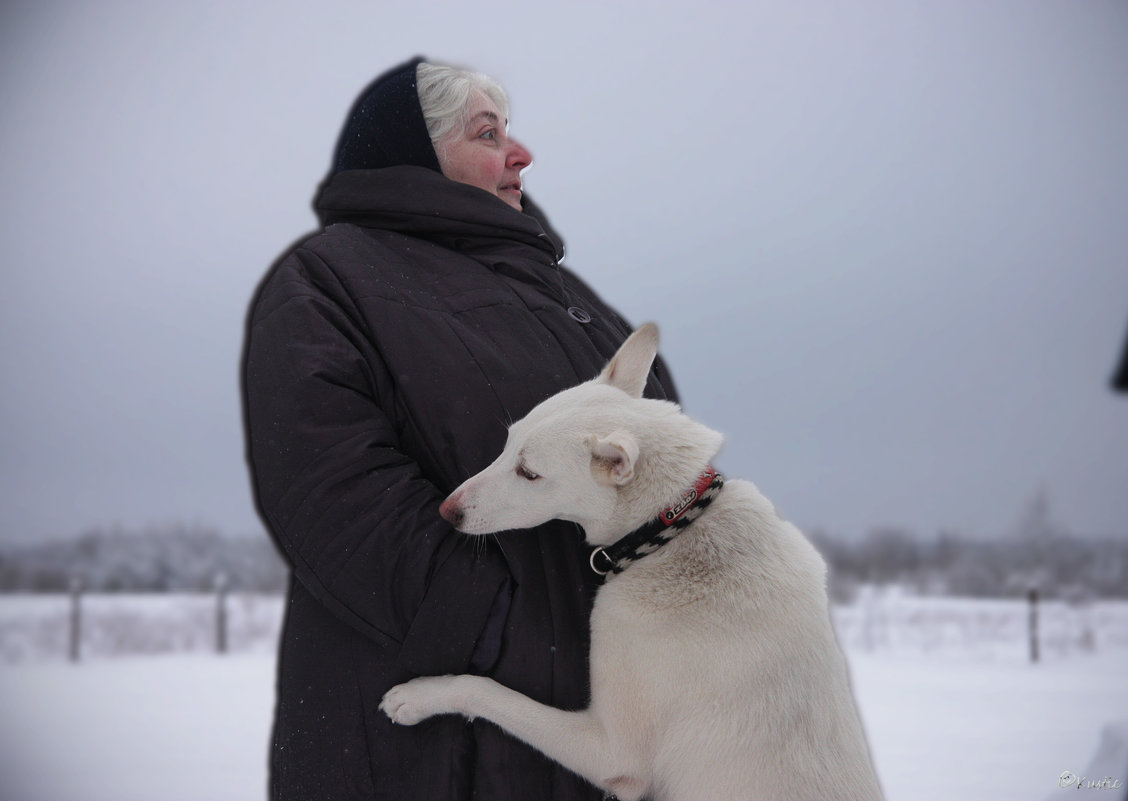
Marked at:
<point>490,134</point>
<point>526,473</point>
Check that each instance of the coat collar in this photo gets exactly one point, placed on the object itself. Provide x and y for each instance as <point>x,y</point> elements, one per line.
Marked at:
<point>425,204</point>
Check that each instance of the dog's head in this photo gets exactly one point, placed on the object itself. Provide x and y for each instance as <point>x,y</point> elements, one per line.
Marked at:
<point>598,454</point>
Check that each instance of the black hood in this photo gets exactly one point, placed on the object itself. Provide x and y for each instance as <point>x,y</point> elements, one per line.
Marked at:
<point>385,127</point>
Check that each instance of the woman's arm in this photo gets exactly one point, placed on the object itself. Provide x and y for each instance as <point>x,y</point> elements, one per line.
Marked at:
<point>354,517</point>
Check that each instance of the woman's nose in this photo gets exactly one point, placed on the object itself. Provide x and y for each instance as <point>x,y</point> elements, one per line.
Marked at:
<point>518,156</point>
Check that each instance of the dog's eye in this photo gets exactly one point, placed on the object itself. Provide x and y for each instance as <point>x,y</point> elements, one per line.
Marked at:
<point>526,473</point>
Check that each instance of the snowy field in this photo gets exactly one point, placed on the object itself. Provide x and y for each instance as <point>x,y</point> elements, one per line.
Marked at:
<point>952,705</point>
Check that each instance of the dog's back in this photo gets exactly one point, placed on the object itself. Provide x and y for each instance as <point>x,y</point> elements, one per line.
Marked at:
<point>716,655</point>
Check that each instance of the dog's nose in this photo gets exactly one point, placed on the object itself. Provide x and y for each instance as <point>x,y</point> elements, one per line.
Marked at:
<point>451,511</point>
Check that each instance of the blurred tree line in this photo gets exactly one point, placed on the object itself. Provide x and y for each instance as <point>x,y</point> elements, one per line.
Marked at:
<point>1039,552</point>
<point>1068,567</point>
<point>170,558</point>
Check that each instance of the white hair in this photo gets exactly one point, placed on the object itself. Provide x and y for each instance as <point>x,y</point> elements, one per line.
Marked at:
<point>445,93</point>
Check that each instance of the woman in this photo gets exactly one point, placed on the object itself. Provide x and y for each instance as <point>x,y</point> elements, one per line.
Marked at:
<point>384,357</point>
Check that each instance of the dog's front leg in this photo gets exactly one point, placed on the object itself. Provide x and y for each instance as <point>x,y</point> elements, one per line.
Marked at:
<point>574,739</point>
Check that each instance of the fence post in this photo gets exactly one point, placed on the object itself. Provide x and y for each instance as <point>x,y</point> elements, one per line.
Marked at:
<point>221,613</point>
<point>1032,596</point>
<point>75,649</point>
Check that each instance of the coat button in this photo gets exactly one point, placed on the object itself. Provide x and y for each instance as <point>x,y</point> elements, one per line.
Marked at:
<point>578,314</point>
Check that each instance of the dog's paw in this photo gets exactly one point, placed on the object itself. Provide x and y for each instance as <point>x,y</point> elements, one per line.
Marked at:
<point>419,699</point>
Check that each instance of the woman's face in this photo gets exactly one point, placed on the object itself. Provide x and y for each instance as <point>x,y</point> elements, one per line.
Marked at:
<point>483,154</point>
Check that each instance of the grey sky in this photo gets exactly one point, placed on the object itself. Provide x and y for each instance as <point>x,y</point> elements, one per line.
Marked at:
<point>887,243</point>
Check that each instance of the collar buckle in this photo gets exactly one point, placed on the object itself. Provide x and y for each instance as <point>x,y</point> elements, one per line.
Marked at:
<point>600,554</point>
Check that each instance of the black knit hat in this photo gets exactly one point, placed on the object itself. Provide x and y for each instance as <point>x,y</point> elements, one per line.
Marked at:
<point>386,127</point>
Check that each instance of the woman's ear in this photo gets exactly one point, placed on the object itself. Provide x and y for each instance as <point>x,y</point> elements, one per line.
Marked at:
<point>613,457</point>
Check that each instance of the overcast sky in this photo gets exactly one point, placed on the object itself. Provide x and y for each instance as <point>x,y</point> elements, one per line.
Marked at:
<point>887,243</point>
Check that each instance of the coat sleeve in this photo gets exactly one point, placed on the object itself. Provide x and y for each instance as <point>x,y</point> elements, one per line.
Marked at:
<point>354,517</point>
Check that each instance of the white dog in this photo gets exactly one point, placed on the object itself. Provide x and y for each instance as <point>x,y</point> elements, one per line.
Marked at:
<point>715,671</point>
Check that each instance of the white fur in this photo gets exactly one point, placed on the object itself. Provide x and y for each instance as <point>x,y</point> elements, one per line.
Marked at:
<point>715,671</point>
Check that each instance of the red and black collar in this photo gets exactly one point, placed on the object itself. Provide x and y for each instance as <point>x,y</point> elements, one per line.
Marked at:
<point>615,558</point>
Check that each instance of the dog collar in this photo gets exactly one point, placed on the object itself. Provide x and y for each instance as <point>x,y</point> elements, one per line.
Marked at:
<point>617,557</point>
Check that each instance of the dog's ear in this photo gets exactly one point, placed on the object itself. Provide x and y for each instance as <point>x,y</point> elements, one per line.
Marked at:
<point>613,457</point>
<point>630,366</point>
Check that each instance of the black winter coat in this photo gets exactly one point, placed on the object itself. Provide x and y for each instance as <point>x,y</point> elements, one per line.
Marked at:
<point>385,357</point>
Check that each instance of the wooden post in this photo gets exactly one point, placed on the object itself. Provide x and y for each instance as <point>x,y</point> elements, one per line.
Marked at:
<point>75,650</point>
<point>221,614</point>
<point>1032,596</point>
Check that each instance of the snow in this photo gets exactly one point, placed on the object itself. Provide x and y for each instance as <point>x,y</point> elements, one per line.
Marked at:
<point>34,627</point>
<point>941,728</point>
<point>180,728</point>
<point>958,713</point>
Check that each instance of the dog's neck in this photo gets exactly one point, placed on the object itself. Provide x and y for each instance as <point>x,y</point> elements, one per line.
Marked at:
<point>651,536</point>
